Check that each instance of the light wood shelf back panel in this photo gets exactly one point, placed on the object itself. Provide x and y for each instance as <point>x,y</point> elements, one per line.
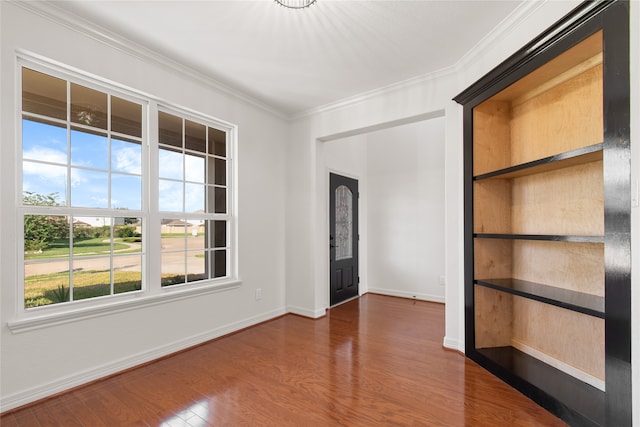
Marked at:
<point>494,318</point>
<point>555,109</point>
<point>565,201</point>
<point>575,266</point>
<point>570,337</point>
<point>564,118</point>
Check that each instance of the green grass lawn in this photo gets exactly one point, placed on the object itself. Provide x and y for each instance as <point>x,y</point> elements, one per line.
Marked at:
<point>44,289</point>
<point>172,235</point>
<point>83,247</point>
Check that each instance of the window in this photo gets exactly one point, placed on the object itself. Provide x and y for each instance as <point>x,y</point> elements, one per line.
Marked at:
<point>192,184</point>
<point>86,186</point>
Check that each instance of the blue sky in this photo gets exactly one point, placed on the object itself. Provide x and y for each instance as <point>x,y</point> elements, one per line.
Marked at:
<point>87,166</point>
<point>88,187</point>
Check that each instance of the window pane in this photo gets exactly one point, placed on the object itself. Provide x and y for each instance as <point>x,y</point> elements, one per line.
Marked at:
<point>126,192</point>
<point>219,263</point>
<point>170,129</point>
<point>195,136</point>
<point>46,259</point>
<point>170,197</point>
<point>44,141</point>
<point>172,268</point>
<point>219,235</point>
<point>173,235</point>
<point>170,164</point>
<point>45,282</point>
<point>126,156</point>
<point>90,150</point>
<point>88,106</point>
<point>194,168</point>
<point>220,172</point>
<point>41,182</point>
<point>91,236</point>
<point>89,189</point>
<point>217,171</point>
<point>220,199</point>
<point>194,198</point>
<point>196,266</point>
<point>127,273</point>
<point>129,230</point>
<point>195,231</point>
<point>91,277</point>
<point>217,142</point>
<point>43,94</point>
<point>46,236</point>
<point>126,117</point>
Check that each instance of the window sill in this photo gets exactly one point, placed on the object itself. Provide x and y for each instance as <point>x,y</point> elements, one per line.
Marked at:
<point>74,315</point>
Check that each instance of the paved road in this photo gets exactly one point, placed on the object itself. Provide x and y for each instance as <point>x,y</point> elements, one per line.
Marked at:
<point>172,262</point>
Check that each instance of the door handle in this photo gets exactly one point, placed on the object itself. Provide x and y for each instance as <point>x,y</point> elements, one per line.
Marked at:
<point>332,246</point>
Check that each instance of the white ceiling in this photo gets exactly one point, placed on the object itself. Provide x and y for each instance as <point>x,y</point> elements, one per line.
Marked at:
<point>297,60</point>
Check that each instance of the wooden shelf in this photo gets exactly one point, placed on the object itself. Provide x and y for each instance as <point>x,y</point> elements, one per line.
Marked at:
<point>573,400</point>
<point>591,153</point>
<point>543,237</point>
<point>581,302</point>
<point>547,201</point>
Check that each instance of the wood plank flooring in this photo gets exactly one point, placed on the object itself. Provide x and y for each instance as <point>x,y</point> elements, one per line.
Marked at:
<point>374,361</point>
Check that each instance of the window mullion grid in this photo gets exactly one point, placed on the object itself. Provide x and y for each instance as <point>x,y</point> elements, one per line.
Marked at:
<point>110,199</point>
<point>153,225</point>
<point>184,199</point>
<point>68,192</point>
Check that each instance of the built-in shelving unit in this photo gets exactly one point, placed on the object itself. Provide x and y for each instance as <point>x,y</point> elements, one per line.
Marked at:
<point>547,207</point>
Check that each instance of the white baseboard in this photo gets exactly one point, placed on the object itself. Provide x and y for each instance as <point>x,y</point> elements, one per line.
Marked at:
<point>48,389</point>
<point>313,314</point>
<point>453,344</point>
<point>405,294</point>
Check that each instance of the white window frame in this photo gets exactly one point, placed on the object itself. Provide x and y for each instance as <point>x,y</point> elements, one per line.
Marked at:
<point>152,292</point>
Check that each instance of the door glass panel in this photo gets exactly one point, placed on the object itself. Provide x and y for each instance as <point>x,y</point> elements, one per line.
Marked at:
<point>344,223</point>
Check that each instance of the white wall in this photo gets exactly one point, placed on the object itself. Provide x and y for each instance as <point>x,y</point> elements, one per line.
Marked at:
<point>400,172</point>
<point>405,181</point>
<point>44,361</point>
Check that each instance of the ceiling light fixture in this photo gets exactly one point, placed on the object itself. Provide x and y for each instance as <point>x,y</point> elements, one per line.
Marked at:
<point>295,4</point>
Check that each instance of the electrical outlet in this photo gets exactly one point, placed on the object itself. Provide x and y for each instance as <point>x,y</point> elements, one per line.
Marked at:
<point>442,280</point>
<point>258,294</point>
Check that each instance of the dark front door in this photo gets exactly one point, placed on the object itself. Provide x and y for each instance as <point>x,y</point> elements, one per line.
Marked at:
<point>343,238</point>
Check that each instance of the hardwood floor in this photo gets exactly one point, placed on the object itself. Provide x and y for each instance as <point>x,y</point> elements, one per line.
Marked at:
<point>374,361</point>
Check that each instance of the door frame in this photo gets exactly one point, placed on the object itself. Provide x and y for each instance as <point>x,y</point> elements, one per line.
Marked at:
<point>327,252</point>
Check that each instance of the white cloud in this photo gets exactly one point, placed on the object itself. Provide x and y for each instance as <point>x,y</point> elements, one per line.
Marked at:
<point>45,154</point>
<point>170,164</point>
<point>127,159</point>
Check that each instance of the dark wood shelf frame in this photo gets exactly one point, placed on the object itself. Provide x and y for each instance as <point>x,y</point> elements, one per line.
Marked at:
<point>577,403</point>
<point>580,302</point>
<point>542,237</point>
<point>580,156</point>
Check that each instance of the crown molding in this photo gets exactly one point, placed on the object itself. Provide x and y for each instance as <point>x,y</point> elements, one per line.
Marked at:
<point>505,27</point>
<point>364,96</point>
<point>71,21</point>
